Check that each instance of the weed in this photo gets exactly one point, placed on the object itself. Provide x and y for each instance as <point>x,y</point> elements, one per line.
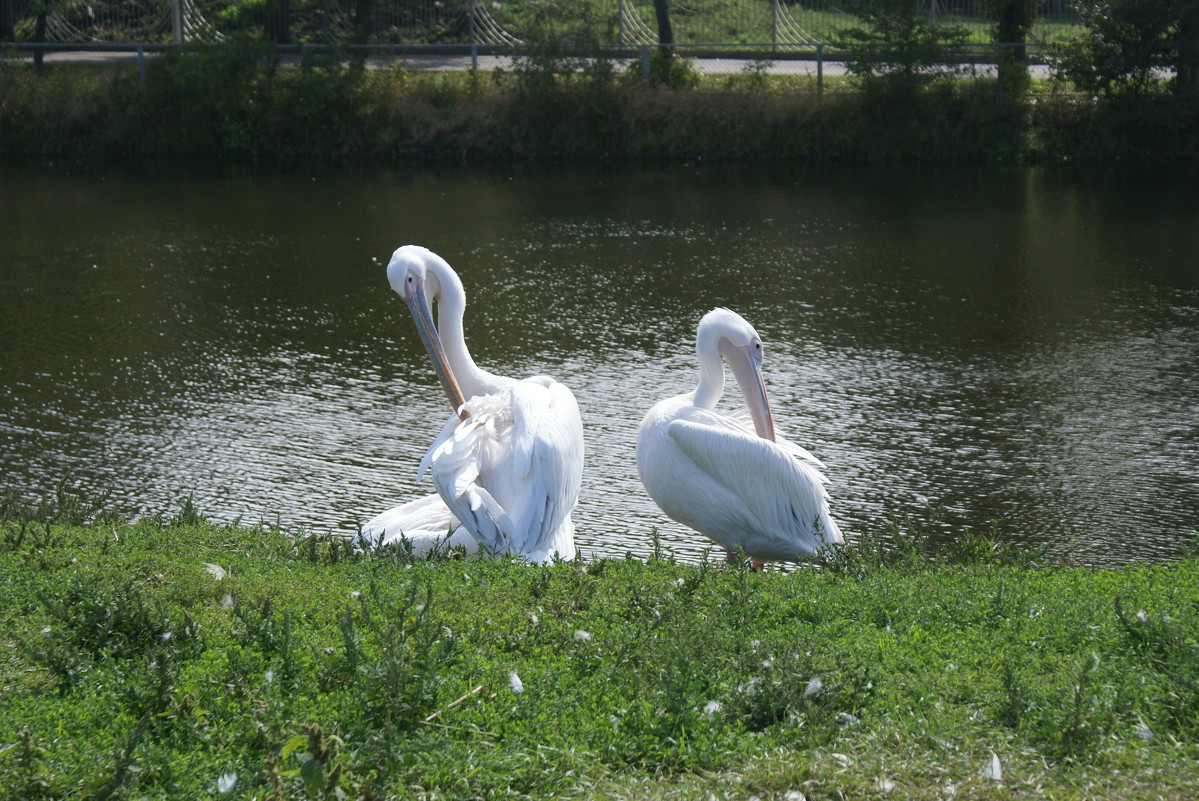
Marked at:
<point>30,777</point>
<point>972,548</point>
<point>1171,650</point>
<point>754,77</point>
<point>904,543</point>
<point>66,507</point>
<point>329,549</point>
<point>92,621</point>
<point>395,655</point>
<point>668,69</point>
<point>272,634</point>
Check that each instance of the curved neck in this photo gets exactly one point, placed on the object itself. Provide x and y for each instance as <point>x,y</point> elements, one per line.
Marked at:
<point>711,371</point>
<point>451,306</point>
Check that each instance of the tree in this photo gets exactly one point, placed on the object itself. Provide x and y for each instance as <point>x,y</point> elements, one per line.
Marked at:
<point>1133,44</point>
<point>665,67</point>
<point>899,50</point>
<point>1013,20</point>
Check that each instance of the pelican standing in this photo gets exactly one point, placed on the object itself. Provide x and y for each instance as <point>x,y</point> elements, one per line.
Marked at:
<point>728,476</point>
<point>508,463</point>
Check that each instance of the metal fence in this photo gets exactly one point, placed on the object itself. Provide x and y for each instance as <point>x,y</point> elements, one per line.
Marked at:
<point>782,24</point>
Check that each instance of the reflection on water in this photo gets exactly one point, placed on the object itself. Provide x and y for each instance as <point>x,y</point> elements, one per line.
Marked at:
<point>1017,345</point>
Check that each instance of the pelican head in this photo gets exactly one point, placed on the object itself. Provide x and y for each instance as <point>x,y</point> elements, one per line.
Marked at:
<point>724,334</point>
<point>420,276</point>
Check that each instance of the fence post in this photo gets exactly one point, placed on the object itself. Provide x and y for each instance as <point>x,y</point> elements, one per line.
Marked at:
<point>820,68</point>
<point>645,61</point>
<point>177,21</point>
<point>474,55</point>
<point>774,25</point>
<point>141,64</point>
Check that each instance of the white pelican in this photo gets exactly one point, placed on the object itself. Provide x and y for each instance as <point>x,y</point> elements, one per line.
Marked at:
<point>728,476</point>
<point>508,463</point>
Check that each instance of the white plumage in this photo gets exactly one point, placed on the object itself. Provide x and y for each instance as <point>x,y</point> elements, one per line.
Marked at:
<point>727,475</point>
<point>508,463</point>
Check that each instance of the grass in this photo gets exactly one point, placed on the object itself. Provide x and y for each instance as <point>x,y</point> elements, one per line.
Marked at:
<point>173,657</point>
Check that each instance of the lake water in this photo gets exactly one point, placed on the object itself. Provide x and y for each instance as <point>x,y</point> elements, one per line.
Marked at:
<point>1019,345</point>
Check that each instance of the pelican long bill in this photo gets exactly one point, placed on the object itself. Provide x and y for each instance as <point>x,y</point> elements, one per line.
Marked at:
<point>746,365</point>
<point>418,304</point>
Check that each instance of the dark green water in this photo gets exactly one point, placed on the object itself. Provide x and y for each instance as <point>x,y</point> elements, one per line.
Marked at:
<point>1019,345</point>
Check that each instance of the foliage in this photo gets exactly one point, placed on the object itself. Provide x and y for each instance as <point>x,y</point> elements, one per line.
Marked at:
<point>1131,43</point>
<point>669,69</point>
<point>898,50</point>
<point>237,106</point>
<point>547,61</point>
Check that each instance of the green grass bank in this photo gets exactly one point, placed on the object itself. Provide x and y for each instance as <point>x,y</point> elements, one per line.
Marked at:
<point>177,658</point>
<point>232,105</point>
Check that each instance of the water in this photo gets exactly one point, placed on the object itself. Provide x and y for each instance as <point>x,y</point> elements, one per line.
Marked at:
<point>1017,345</point>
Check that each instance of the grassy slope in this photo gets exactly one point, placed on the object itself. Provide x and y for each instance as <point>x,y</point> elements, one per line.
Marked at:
<point>130,670</point>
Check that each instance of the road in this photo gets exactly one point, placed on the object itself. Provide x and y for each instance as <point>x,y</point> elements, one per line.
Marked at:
<point>435,62</point>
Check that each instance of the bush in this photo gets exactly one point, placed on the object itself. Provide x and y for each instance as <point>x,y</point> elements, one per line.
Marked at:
<point>1130,46</point>
<point>898,50</point>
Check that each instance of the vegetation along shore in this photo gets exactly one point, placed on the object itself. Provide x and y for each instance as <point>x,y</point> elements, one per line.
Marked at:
<point>234,103</point>
<point>176,658</point>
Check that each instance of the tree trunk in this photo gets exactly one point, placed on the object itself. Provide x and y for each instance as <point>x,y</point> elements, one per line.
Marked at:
<point>1187,66</point>
<point>364,14</point>
<point>8,19</point>
<point>39,36</point>
<point>665,32</point>
<point>278,21</point>
<point>1013,19</point>
<point>364,11</point>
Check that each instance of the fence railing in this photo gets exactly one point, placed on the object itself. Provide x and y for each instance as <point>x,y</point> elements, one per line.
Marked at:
<point>815,60</point>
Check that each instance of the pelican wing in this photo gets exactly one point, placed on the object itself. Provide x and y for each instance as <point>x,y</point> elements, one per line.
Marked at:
<point>426,525</point>
<point>455,459</point>
<point>511,471</point>
<point>770,498</point>
<point>547,464</point>
<point>746,424</point>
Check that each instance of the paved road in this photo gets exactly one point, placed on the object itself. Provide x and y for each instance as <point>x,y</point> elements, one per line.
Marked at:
<point>438,62</point>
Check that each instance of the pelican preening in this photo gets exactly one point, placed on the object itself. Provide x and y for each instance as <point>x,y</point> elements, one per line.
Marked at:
<point>508,463</point>
<point>728,476</point>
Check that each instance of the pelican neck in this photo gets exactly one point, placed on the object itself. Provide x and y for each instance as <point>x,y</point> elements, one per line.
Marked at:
<point>711,371</point>
<point>451,307</point>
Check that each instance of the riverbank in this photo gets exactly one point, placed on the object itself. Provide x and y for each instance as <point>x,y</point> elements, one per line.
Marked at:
<point>174,657</point>
<point>233,105</point>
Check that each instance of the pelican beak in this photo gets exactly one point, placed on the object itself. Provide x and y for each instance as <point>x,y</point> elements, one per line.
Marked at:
<point>746,364</point>
<point>418,305</point>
